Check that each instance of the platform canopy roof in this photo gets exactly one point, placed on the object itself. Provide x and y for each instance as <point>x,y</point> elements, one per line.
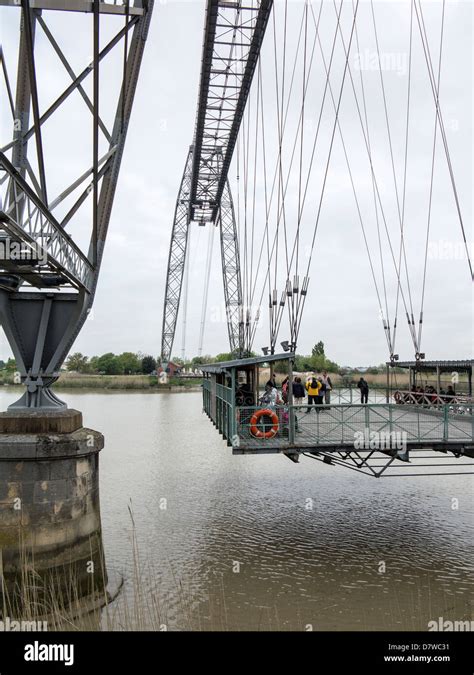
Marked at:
<point>242,363</point>
<point>462,364</point>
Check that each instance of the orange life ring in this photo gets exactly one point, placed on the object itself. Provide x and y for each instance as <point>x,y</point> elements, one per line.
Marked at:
<point>255,431</point>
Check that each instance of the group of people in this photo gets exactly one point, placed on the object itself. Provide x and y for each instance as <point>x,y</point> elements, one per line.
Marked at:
<point>317,388</point>
<point>426,395</point>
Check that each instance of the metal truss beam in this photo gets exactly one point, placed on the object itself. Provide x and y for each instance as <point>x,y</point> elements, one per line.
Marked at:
<point>380,464</point>
<point>80,6</point>
<point>42,326</point>
<point>233,37</point>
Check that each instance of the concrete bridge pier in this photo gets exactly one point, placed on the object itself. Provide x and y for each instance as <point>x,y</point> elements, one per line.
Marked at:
<point>50,527</point>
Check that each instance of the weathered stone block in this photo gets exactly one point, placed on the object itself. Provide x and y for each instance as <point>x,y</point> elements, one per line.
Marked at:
<point>39,422</point>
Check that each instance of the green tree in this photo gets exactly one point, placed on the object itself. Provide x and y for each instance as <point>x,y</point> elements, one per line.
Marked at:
<point>93,365</point>
<point>372,370</point>
<point>109,364</point>
<point>200,360</point>
<point>11,365</point>
<point>148,365</point>
<point>77,362</point>
<point>316,362</point>
<point>318,349</point>
<point>225,356</point>
<point>130,363</point>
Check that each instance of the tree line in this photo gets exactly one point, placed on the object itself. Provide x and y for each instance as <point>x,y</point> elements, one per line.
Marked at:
<point>127,363</point>
<point>317,361</point>
<point>130,363</point>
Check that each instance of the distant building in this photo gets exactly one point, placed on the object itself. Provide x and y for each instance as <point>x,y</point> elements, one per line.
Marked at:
<point>172,370</point>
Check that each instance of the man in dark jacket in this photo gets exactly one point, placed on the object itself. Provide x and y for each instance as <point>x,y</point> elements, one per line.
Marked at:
<point>272,381</point>
<point>299,392</point>
<point>364,390</point>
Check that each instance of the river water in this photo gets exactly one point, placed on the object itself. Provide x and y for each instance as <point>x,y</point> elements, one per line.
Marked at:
<point>230,542</point>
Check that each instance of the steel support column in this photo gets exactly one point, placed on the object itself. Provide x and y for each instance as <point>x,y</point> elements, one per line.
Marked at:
<point>231,273</point>
<point>176,262</point>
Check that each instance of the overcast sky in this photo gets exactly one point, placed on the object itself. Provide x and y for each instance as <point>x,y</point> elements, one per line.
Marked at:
<point>342,307</point>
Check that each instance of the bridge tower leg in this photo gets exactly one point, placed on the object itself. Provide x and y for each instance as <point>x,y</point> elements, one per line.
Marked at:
<point>176,262</point>
<point>177,265</point>
<point>231,272</point>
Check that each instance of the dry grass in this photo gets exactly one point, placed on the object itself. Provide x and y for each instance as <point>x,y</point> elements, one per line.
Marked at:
<point>57,599</point>
<point>75,380</point>
<point>115,382</point>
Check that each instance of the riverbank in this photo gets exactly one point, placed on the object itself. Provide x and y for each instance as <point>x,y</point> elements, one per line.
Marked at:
<point>120,382</point>
<point>151,383</point>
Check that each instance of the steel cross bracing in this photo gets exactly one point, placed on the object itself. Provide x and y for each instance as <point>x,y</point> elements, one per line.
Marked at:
<point>40,320</point>
<point>233,36</point>
<point>177,260</point>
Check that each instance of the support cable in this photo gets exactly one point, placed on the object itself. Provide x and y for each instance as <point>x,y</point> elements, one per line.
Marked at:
<point>426,49</point>
<point>405,171</point>
<point>206,288</point>
<point>433,157</point>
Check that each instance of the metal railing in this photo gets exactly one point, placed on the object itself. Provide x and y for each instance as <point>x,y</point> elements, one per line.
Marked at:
<point>347,425</point>
<point>219,407</point>
<point>26,219</point>
<point>462,403</point>
<point>458,404</point>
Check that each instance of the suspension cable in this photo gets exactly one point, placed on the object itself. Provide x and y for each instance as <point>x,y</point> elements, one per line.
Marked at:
<point>392,161</point>
<point>405,172</point>
<point>341,91</point>
<point>426,49</point>
<point>379,200</point>
<point>206,287</point>
<point>430,200</point>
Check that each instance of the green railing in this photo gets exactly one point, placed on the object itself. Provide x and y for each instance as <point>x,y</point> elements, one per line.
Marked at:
<point>348,425</point>
<point>218,405</point>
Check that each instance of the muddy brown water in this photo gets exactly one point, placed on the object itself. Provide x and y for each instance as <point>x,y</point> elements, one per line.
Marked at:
<point>257,542</point>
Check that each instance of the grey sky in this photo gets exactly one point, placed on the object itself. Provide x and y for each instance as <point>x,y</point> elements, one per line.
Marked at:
<point>342,307</point>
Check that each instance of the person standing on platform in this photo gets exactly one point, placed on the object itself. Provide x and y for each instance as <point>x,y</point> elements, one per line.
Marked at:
<point>284,389</point>
<point>322,389</point>
<point>328,384</point>
<point>313,387</point>
<point>272,381</point>
<point>299,393</point>
<point>364,390</point>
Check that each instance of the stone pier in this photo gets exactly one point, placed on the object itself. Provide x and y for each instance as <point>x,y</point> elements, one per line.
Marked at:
<point>49,501</point>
